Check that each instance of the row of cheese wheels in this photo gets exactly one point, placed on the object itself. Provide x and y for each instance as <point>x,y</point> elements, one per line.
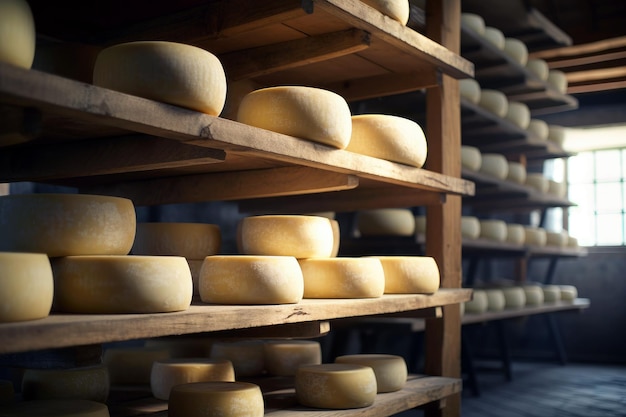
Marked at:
<point>517,296</point>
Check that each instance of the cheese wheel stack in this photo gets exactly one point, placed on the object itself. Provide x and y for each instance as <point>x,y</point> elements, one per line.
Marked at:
<point>283,357</point>
<point>390,370</point>
<point>84,383</point>
<point>168,373</point>
<point>216,399</point>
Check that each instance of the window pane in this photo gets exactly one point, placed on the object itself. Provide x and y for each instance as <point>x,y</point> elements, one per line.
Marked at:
<point>609,229</point>
<point>582,226</point>
<point>608,165</point>
<point>582,195</point>
<point>580,168</point>
<point>609,197</point>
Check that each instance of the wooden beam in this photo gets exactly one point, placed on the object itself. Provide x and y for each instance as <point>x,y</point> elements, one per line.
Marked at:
<point>576,50</point>
<point>597,75</point>
<point>305,330</point>
<point>19,125</point>
<point>602,60</point>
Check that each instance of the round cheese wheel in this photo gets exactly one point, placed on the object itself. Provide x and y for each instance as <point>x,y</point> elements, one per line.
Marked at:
<point>26,286</point>
<point>572,242</point>
<point>516,173</point>
<point>7,392</point>
<point>195,265</point>
<point>568,292</point>
<point>515,234</point>
<point>132,365</point>
<point>17,33</point>
<point>167,373</point>
<point>495,37</point>
<point>342,277</point>
<point>249,279</point>
<point>493,230</point>
<point>556,188</point>
<point>478,304</point>
<point>247,356</point>
<point>535,236</point>
<point>392,138</point>
<point>558,239</point>
<point>558,80</point>
<point>537,128</point>
<point>283,357</point>
<point>470,227</point>
<point>410,274</point>
<point>539,68</point>
<point>519,114</point>
<point>534,294</point>
<point>84,383</point>
<point>474,22</point>
<point>495,299</point>
<point>191,240</point>
<point>335,386</point>
<point>551,293</point>
<point>169,72</point>
<point>517,50</point>
<point>305,112</point>
<point>182,346</point>
<point>66,224</point>
<point>390,370</point>
<point>556,134</point>
<point>396,9</point>
<point>55,408</point>
<point>514,297</point>
<point>386,222</point>
<point>470,90</point>
<point>471,158</point>
<point>537,181</point>
<point>336,238</point>
<point>286,235</point>
<point>67,59</point>
<point>216,399</point>
<point>121,284</point>
<point>495,164</point>
<point>494,101</point>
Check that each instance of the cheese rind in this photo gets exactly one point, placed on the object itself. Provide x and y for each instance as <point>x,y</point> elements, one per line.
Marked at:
<point>537,181</point>
<point>495,164</point>
<point>390,370</point>
<point>386,222</point>
<point>516,173</point>
<point>478,304</point>
<point>474,22</point>
<point>190,240</point>
<point>534,294</point>
<point>538,67</point>
<point>17,33</point>
<point>396,9</point>
<point>558,239</point>
<point>495,37</point>
<point>568,292</point>
<point>84,383</point>
<point>515,234</point>
<point>216,399</point>
<point>493,230</point>
<point>538,128</point>
<point>535,236</point>
<point>494,101</point>
<point>517,50</point>
<point>132,365</point>
<point>551,293</point>
<point>558,80</point>
<point>470,90</point>
<point>514,297</point>
<point>519,114</point>
<point>495,299</point>
<point>410,274</point>
<point>55,408</point>
<point>283,357</point>
<point>247,356</point>
<point>168,373</point>
<point>470,227</point>
<point>471,158</point>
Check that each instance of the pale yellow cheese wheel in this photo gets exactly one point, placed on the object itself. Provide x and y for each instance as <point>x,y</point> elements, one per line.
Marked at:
<point>556,134</point>
<point>572,242</point>
<point>17,33</point>
<point>396,9</point>
<point>286,235</point>
<point>517,50</point>
<point>191,240</point>
<point>26,286</point>
<point>7,392</point>
<point>250,279</point>
<point>335,386</point>
<point>283,357</point>
<point>558,80</point>
<point>495,164</point>
<point>557,188</point>
<point>537,181</point>
<point>470,227</point>
<point>169,72</point>
<point>55,408</point>
<point>515,234</point>
<point>494,36</point>
<point>392,138</point>
<point>568,292</point>
<point>551,293</point>
<point>471,158</point>
<point>121,284</point>
<point>558,239</point>
<point>516,173</point>
<point>535,236</point>
<point>195,265</point>
<point>132,365</point>
<point>518,113</point>
<point>470,90</point>
<point>216,399</point>
<point>167,373</point>
<point>410,274</point>
<point>305,112</point>
<point>539,68</point>
<point>66,224</point>
<point>473,21</point>
<point>534,294</point>
<point>386,222</point>
<point>390,370</point>
<point>537,128</point>
<point>514,297</point>
<point>495,299</point>
<point>247,356</point>
<point>493,230</point>
<point>84,383</point>
<point>478,304</point>
<point>494,101</point>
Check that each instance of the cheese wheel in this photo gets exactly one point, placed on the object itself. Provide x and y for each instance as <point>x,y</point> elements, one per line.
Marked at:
<point>249,279</point>
<point>390,370</point>
<point>495,37</point>
<point>17,33</point>
<point>410,274</point>
<point>514,297</point>
<point>247,356</point>
<point>182,346</point>
<point>537,128</point>
<point>336,238</point>
<point>84,383</point>
<point>195,265</point>
<point>132,365</point>
<point>343,277</point>
<point>568,292</point>
<point>515,234</point>
<point>191,240</point>
<point>537,181</point>
<point>556,134</point>
<point>121,284</point>
<point>493,230</point>
<point>471,158</point>
<point>287,235</point>
<point>66,224</point>
<point>216,399</point>
<point>535,236</point>
<point>572,242</point>
<point>474,22</point>
<point>551,293</point>
<point>392,138</point>
<point>7,392</point>
<point>67,59</point>
<point>396,9</point>
<point>495,299</point>
<point>283,357</point>
<point>55,408</point>
<point>557,80</point>
<point>305,112</point>
<point>26,286</point>
<point>539,68</point>
<point>519,114</point>
<point>167,373</point>
<point>335,386</point>
<point>517,50</point>
<point>470,227</point>
<point>386,222</point>
<point>470,90</point>
<point>534,294</point>
<point>558,239</point>
<point>516,173</point>
<point>495,164</point>
<point>556,188</point>
<point>169,72</point>
<point>494,101</point>
<point>478,304</point>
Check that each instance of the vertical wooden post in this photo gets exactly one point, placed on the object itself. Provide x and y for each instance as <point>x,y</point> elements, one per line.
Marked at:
<point>443,234</point>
